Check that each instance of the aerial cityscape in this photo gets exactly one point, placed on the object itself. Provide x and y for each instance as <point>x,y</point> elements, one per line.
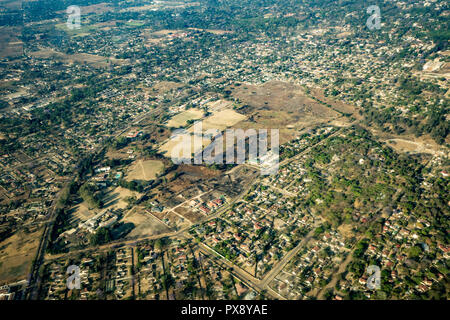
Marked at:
<point>224,150</point>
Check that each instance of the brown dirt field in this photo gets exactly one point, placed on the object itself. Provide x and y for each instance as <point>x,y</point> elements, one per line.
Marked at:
<point>346,230</point>
<point>144,170</point>
<point>83,213</point>
<point>115,154</point>
<point>280,105</point>
<point>190,175</point>
<point>200,171</point>
<point>279,96</point>
<point>175,220</point>
<point>160,4</point>
<point>402,145</point>
<point>219,32</point>
<point>337,105</point>
<point>96,60</point>
<point>219,120</point>
<point>180,120</point>
<point>410,143</point>
<point>145,224</point>
<point>188,214</point>
<point>116,198</point>
<point>218,105</point>
<point>137,9</point>
<point>161,33</point>
<point>16,255</point>
<point>165,86</point>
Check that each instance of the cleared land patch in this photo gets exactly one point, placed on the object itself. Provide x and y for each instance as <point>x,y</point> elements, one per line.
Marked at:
<point>116,198</point>
<point>95,60</point>
<point>16,255</point>
<point>280,105</point>
<point>219,120</point>
<point>10,43</point>
<point>145,224</point>
<point>402,145</point>
<point>180,120</point>
<point>145,170</point>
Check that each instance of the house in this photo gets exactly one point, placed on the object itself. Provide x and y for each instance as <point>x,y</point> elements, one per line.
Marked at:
<point>102,169</point>
<point>363,280</point>
<point>204,209</point>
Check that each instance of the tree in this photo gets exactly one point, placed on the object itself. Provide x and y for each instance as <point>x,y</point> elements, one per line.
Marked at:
<point>101,236</point>
<point>414,252</point>
<point>89,194</point>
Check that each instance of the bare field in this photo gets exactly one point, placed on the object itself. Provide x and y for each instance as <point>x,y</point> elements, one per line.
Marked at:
<point>160,4</point>
<point>213,31</point>
<point>10,43</point>
<point>116,198</point>
<point>145,170</point>
<point>221,120</point>
<point>280,105</point>
<point>166,86</point>
<point>218,120</point>
<point>180,120</point>
<point>193,217</point>
<point>402,145</point>
<point>162,33</point>
<point>94,8</point>
<point>82,212</point>
<point>16,255</point>
<point>335,104</point>
<point>145,224</point>
<point>177,221</point>
<point>218,105</point>
<point>99,61</point>
<point>187,177</point>
<point>408,143</point>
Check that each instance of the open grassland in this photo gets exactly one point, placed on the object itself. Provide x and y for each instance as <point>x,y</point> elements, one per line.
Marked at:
<point>166,86</point>
<point>409,143</point>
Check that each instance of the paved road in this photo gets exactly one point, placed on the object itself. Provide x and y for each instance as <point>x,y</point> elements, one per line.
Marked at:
<point>252,281</point>
<point>33,278</point>
<point>285,260</point>
<point>260,284</point>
